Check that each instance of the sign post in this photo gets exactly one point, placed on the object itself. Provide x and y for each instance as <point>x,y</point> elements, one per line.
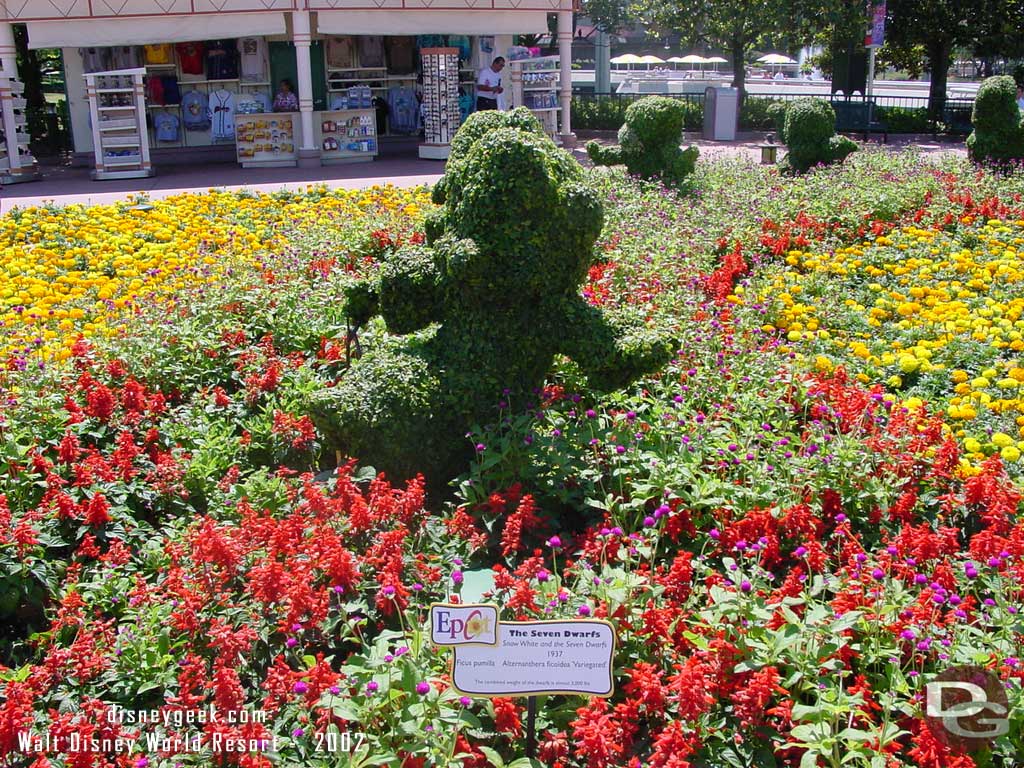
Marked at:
<point>875,40</point>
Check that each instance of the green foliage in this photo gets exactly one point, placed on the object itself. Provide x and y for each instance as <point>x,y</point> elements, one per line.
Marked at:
<point>998,136</point>
<point>494,297</point>
<point>649,142</point>
<point>810,135</point>
<point>775,114</point>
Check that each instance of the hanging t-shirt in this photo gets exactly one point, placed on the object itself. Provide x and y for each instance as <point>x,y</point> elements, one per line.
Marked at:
<point>222,60</point>
<point>166,126</point>
<point>252,55</point>
<point>124,57</point>
<point>155,90</point>
<point>170,85</point>
<point>401,50</point>
<point>462,43</point>
<point>371,51</point>
<point>341,53</point>
<point>429,41</point>
<point>195,110</point>
<point>93,59</point>
<point>190,58</point>
<point>222,115</point>
<point>158,54</point>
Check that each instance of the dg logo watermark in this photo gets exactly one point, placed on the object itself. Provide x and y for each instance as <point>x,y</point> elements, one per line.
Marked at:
<point>966,708</point>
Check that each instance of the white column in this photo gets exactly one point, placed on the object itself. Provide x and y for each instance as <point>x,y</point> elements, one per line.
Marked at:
<point>8,58</point>
<point>565,78</point>
<point>302,38</point>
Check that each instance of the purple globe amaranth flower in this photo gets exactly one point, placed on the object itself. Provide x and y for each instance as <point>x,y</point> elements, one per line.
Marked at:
<point>649,521</point>
<point>746,586</point>
<point>297,733</point>
<point>423,688</point>
<point>465,701</point>
<point>457,577</point>
<point>920,579</point>
<point>584,610</point>
<point>480,447</point>
<point>620,449</point>
<point>878,574</point>
<point>591,413</point>
<point>543,575</point>
<point>372,686</point>
<point>291,642</point>
<point>554,542</point>
<point>800,551</point>
<point>300,687</point>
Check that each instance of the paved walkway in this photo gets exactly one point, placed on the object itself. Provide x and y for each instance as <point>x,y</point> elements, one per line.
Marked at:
<point>399,166</point>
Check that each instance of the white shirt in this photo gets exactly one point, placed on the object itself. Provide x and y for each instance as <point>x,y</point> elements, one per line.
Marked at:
<point>490,78</point>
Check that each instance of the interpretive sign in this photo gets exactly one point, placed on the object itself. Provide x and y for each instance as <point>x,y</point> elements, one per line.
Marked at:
<point>455,625</point>
<point>539,657</point>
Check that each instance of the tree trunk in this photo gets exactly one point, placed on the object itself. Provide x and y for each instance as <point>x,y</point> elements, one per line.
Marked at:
<point>739,68</point>
<point>940,54</point>
<point>28,68</point>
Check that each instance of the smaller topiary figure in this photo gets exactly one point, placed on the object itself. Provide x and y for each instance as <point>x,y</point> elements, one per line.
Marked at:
<point>998,136</point>
<point>810,135</point>
<point>649,142</point>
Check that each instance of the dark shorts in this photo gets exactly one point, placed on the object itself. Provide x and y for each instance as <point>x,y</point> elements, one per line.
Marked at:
<point>482,103</point>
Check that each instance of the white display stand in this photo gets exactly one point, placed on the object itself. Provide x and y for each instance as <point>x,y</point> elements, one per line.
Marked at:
<point>117,108</point>
<point>441,117</point>
<point>267,140</point>
<point>16,161</point>
<point>535,85</point>
<point>348,136</point>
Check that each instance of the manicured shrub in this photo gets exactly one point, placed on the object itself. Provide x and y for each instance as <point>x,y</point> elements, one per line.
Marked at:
<point>649,142</point>
<point>998,136</point>
<point>500,275</point>
<point>810,135</point>
<point>777,113</point>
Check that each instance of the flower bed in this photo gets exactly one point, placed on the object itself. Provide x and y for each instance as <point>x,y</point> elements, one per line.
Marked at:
<point>790,536</point>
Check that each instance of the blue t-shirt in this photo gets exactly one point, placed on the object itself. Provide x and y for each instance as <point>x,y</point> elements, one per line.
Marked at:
<point>167,126</point>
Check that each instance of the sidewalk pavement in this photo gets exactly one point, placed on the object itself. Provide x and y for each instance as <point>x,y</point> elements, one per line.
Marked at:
<point>400,166</point>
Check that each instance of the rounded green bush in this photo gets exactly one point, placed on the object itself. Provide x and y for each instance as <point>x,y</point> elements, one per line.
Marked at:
<point>810,135</point>
<point>485,306</point>
<point>997,136</point>
<point>649,142</point>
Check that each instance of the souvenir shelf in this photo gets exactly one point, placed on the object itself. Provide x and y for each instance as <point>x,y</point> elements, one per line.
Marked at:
<point>117,108</point>
<point>535,85</point>
<point>16,161</point>
<point>440,101</point>
<point>267,140</point>
<point>348,136</point>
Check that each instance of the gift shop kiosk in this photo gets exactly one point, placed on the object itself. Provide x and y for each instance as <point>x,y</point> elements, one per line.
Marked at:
<point>16,161</point>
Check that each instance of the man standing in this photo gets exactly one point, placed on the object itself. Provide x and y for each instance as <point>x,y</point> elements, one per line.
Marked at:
<point>488,85</point>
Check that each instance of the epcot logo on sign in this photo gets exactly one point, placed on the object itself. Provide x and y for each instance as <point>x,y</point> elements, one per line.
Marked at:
<point>453,625</point>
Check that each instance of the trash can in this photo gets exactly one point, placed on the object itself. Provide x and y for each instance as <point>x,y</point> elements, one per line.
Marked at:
<point>721,113</point>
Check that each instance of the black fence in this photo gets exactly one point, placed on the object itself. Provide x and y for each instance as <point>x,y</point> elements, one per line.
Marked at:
<point>900,114</point>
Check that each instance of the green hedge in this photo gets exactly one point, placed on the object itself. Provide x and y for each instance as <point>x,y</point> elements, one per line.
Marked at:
<point>609,114</point>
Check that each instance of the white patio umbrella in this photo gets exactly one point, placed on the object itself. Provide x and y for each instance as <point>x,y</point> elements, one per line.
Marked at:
<point>650,59</point>
<point>691,59</point>
<point>775,58</point>
<point>716,60</point>
<point>627,58</point>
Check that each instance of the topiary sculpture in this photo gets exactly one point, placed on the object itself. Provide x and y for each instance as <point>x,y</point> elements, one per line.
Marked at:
<point>810,135</point>
<point>998,135</point>
<point>649,142</point>
<point>500,276</point>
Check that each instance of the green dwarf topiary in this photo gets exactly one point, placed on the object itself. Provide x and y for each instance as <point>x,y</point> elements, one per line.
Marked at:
<point>998,135</point>
<point>649,142</point>
<point>501,273</point>
<point>810,135</point>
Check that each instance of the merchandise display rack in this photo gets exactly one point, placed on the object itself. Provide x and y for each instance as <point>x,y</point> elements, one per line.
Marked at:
<point>16,161</point>
<point>535,85</point>
<point>440,101</point>
<point>348,136</point>
<point>117,109</point>
<point>266,140</point>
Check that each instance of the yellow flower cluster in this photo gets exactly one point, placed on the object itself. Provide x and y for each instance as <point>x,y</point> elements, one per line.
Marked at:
<point>73,271</point>
<point>918,303</point>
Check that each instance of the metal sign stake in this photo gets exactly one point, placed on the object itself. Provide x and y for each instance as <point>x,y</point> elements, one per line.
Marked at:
<point>531,727</point>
